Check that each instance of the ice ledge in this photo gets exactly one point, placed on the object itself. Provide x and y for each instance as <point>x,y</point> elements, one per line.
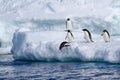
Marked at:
<point>27,46</point>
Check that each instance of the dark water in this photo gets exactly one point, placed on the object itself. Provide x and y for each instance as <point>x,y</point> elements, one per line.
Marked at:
<point>24,70</point>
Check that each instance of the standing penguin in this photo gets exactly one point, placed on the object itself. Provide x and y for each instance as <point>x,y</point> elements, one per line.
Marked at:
<point>106,35</point>
<point>87,35</point>
<point>69,36</point>
<point>69,24</point>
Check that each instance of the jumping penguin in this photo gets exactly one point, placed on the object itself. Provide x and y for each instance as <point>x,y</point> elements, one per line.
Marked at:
<point>106,35</point>
<point>64,44</point>
<point>87,35</point>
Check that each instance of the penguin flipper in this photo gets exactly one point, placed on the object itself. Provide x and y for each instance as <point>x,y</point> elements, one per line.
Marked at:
<point>72,35</point>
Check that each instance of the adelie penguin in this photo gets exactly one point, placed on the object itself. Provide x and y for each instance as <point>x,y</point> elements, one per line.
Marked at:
<point>68,24</point>
<point>106,35</point>
<point>69,36</point>
<point>87,35</point>
<point>64,44</point>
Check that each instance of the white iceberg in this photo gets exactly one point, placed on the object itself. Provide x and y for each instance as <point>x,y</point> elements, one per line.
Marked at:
<point>44,46</point>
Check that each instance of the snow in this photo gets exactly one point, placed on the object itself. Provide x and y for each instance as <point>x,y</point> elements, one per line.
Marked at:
<point>5,50</point>
<point>44,46</point>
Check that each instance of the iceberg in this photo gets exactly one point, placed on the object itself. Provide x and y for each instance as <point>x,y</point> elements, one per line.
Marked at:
<point>44,46</point>
<point>44,18</point>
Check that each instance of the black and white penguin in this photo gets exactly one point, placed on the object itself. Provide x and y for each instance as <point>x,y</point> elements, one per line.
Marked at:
<point>68,24</point>
<point>69,36</point>
<point>87,35</point>
<point>106,35</point>
<point>64,44</point>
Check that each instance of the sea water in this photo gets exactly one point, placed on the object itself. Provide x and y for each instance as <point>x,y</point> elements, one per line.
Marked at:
<point>29,70</point>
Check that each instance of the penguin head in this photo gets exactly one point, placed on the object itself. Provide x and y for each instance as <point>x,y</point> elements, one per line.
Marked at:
<point>68,30</point>
<point>104,30</point>
<point>84,30</point>
<point>68,19</point>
